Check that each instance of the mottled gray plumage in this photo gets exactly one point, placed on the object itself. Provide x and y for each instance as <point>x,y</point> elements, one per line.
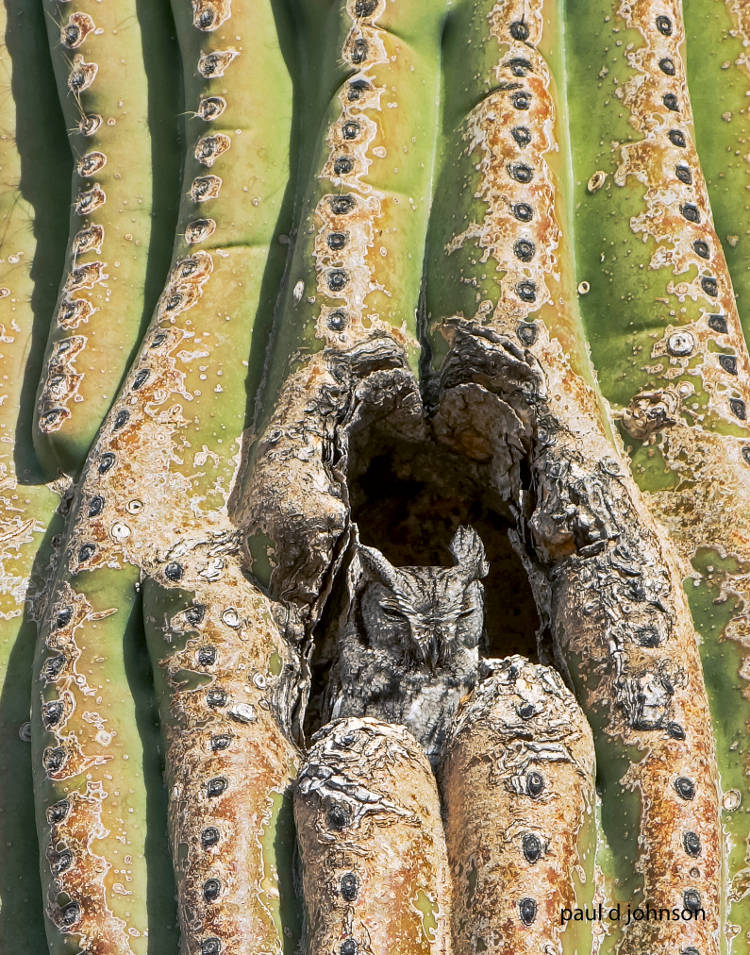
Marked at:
<point>408,640</point>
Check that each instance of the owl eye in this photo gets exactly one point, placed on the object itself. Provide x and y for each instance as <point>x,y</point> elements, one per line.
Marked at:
<point>467,613</point>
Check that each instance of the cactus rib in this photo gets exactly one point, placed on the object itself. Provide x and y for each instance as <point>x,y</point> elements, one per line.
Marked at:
<point>101,310</point>
<point>518,785</point>
<point>674,363</point>
<point>373,851</point>
<point>511,328</point>
<point>718,75</point>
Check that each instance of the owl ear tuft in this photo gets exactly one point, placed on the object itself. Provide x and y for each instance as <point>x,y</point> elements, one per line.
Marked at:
<point>468,551</point>
<point>377,566</point>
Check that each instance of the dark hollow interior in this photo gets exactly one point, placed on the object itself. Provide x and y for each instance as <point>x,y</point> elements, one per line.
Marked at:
<point>407,500</point>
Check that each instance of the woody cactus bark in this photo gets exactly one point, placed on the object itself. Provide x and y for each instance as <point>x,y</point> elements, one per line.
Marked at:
<point>473,239</point>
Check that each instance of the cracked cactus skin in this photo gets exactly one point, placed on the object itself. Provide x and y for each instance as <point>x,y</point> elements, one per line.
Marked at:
<point>520,720</point>
<point>380,204</point>
<point>116,249</point>
<point>150,540</point>
<point>507,339</point>
<point>665,332</point>
<point>372,846</point>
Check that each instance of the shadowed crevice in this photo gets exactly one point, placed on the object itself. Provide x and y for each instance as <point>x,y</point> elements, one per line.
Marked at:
<point>160,889</point>
<point>281,247</point>
<point>162,62</point>
<point>46,172</point>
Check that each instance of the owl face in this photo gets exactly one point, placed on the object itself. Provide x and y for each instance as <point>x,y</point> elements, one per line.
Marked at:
<point>426,612</point>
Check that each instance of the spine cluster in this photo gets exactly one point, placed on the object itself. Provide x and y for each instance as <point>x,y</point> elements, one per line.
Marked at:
<point>457,232</point>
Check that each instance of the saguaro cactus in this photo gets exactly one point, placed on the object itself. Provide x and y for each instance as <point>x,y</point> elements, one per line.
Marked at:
<point>450,263</point>
<point>31,208</point>
<point>666,336</point>
<point>112,264</point>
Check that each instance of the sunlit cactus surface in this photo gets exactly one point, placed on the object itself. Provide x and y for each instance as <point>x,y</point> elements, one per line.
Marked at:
<point>375,477</point>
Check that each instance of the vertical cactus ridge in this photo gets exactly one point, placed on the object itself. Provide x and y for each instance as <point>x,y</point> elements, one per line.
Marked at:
<point>28,506</point>
<point>718,73</point>
<point>226,680</point>
<point>502,161</point>
<point>347,311</point>
<point>518,787</point>
<point>94,763</point>
<point>231,225</point>
<point>101,310</point>
<point>374,864</point>
<point>152,506</point>
<point>357,265</point>
<point>668,346</point>
<point>508,343</point>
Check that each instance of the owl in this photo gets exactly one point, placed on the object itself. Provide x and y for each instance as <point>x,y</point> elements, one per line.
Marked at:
<point>408,640</point>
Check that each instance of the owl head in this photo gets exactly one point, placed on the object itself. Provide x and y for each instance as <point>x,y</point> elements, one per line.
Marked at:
<point>428,613</point>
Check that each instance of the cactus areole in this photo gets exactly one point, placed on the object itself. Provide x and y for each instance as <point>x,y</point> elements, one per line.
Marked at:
<point>374,468</point>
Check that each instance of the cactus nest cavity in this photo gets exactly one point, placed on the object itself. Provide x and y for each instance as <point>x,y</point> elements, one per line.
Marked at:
<point>293,295</point>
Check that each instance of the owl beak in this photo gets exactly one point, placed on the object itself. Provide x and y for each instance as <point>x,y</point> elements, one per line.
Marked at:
<point>428,647</point>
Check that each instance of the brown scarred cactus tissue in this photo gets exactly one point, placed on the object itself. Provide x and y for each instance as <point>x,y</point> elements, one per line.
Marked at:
<point>374,467</point>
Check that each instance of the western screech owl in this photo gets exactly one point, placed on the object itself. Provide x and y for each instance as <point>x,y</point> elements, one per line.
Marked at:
<point>408,642</point>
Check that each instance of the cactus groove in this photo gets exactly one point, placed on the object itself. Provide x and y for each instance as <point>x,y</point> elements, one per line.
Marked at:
<point>105,298</point>
<point>32,207</point>
<point>284,279</point>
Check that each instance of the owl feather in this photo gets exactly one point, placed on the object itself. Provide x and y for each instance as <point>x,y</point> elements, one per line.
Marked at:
<point>408,640</point>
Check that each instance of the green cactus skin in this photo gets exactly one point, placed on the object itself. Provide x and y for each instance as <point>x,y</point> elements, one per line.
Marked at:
<point>667,343</point>
<point>31,249</point>
<point>717,33</point>
<point>348,309</point>
<point>373,853</point>
<point>108,289</point>
<point>152,561</point>
<point>502,318</point>
<point>152,505</point>
<point>520,719</point>
<point>97,773</point>
<point>226,682</point>
<point>375,151</point>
